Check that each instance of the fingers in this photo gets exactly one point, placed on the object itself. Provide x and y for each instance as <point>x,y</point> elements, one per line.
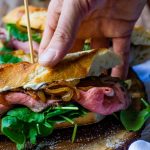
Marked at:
<point>121,46</point>
<point>64,35</point>
<point>53,14</point>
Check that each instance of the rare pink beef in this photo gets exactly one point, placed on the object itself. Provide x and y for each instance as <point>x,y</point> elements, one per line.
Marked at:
<point>104,100</point>
<point>18,98</point>
<point>15,44</point>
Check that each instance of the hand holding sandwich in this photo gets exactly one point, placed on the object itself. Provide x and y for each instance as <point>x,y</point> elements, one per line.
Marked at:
<point>68,20</point>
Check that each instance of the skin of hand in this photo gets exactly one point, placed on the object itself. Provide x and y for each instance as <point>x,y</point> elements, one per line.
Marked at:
<point>70,22</point>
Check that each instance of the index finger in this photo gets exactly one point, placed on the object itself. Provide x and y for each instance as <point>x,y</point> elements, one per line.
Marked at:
<point>121,46</point>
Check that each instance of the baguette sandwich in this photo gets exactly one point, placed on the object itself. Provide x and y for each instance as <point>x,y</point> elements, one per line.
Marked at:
<point>35,99</point>
<point>15,36</point>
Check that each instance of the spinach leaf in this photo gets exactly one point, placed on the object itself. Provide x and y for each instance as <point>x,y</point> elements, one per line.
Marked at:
<point>20,35</point>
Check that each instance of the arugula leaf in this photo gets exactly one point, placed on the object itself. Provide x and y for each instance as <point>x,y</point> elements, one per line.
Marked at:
<point>26,115</point>
<point>45,128</point>
<point>74,133</point>
<point>134,120</point>
<point>33,134</point>
<point>9,58</point>
<point>32,124</point>
<point>20,35</point>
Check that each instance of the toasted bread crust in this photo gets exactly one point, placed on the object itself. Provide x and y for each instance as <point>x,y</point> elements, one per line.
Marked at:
<point>74,66</point>
<point>89,118</point>
<point>37,17</point>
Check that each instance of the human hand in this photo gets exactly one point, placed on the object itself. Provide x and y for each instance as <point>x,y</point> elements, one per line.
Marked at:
<point>68,20</point>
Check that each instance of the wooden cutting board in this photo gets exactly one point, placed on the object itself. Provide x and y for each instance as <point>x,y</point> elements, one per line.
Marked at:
<point>108,134</point>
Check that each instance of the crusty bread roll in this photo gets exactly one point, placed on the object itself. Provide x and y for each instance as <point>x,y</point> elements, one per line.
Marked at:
<point>73,66</point>
<point>37,17</point>
<point>87,119</point>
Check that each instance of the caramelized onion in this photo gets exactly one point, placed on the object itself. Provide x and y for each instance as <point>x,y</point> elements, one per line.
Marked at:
<point>68,96</point>
<point>58,84</point>
<point>32,94</point>
<point>65,93</point>
<point>41,95</point>
<point>85,88</point>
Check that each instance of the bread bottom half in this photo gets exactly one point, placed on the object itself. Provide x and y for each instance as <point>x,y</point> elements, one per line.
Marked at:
<point>87,119</point>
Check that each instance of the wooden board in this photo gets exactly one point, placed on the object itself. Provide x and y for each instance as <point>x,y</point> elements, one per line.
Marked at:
<point>108,134</point>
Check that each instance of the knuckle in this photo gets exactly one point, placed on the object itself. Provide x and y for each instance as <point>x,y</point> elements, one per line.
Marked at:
<point>84,6</point>
<point>63,36</point>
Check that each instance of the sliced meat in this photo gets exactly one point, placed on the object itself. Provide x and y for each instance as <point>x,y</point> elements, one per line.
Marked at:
<point>18,98</point>
<point>24,45</point>
<point>3,34</point>
<point>104,100</point>
<point>4,108</point>
<point>15,44</point>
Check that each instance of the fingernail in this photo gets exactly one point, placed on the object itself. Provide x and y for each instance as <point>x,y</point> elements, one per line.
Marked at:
<point>47,57</point>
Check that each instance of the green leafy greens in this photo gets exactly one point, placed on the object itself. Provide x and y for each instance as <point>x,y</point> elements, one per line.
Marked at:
<point>22,124</point>
<point>5,49</point>
<point>134,120</point>
<point>20,35</point>
<point>86,47</point>
<point>6,56</point>
<point>9,58</point>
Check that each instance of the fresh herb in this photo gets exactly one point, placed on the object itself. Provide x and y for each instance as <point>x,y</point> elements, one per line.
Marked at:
<point>67,108</point>
<point>74,133</point>
<point>134,120</point>
<point>5,49</point>
<point>22,124</point>
<point>9,58</point>
<point>20,35</point>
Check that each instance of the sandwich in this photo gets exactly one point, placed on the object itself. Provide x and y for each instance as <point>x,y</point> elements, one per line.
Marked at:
<point>34,100</point>
<point>14,34</point>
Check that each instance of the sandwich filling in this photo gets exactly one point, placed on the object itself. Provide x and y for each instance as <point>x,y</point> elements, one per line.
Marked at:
<point>17,38</point>
<point>100,95</point>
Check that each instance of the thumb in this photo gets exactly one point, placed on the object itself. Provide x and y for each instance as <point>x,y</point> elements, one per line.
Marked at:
<point>62,40</point>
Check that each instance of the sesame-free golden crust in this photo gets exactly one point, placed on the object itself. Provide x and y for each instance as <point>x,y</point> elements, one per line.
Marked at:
<point>74,66</point>
<point>13,75</point>
<point>87,119</point>
<point>17,75</point>
<point>18,17</point>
